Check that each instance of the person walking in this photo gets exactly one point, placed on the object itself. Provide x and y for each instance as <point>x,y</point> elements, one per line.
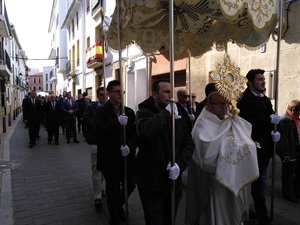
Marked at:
<point>155,171</point>
<point>288,149</point>
<point>222,147</point>
<point>184,108</point>
<point>97,177</point>
<point>53,119</point>
<point>69,108</point>
<point>33,113</point>
<point>109,123</point>
<point>257,109</point>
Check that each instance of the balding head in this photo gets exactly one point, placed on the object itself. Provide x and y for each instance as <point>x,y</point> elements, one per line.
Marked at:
<point>217,104</point>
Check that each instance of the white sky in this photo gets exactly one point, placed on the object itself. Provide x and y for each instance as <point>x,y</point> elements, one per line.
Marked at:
<point>31,20</point>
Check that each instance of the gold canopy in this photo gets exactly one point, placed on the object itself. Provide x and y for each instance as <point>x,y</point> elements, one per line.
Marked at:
<point>197,24</point>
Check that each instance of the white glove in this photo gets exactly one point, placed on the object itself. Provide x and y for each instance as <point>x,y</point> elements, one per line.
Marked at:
<point>125,150</point>
<point>275,136</point>
<point>176,114</point>
<point>123,120</point>
<point>275,118</point>
<point>168,107</point>
<point>174,171</point>
<point>192,117</point>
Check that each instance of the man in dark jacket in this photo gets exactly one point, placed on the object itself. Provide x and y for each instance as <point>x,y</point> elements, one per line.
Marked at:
<point>110,126</point>
<point>87,126</point>
<point>154,168</point>
<point>33,113</point>
<point>256,108</point>
<point>289,151</point>
<point>184,108</point>
<point>53,118</point>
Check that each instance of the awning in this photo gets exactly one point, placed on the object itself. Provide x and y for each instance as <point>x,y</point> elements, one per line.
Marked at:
<point>198,24</point>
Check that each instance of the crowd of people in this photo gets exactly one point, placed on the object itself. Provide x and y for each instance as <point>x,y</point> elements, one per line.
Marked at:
<point>226,156</point>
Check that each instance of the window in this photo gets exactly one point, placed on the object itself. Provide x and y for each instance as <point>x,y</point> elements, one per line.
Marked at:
<point>34,80</point>
<point>88,6</point>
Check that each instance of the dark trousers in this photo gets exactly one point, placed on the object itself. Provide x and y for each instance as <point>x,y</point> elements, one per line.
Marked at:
<point>70,123</point>
<point>296,182</point>
<point>157,205</point>
<point>115,194</point>
<point>287,181</point>
<point>53,130</point>
<point>259,187</point>
<point>79,123</point>
<point>34,129</point>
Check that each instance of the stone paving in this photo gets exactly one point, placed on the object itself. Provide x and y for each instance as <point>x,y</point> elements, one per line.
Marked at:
<point>51,185</point>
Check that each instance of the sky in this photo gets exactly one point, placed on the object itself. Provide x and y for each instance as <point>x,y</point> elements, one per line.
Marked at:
<point>31,20</point>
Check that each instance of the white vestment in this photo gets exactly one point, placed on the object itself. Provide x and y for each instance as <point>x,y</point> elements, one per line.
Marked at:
<point>224,165</point>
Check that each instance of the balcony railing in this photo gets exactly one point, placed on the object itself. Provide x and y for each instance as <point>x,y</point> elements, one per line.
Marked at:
<point>94,56</point>
<point>70,68</point>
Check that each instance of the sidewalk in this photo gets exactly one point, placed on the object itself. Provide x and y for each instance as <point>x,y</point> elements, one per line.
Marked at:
<point>52,185</point>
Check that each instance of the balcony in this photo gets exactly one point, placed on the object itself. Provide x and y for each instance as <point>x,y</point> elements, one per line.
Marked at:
<point>5,65</point>
<point>94,56</point>
<point>70,68</point>
<point>4,25</point>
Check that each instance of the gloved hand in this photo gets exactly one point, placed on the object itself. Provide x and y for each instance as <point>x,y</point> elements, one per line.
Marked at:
<point>192,117</point>
<point>176,114</point>
<point>123,120</point>
<point>168,107</point>
<point>287,158</point>
<point>275,118</point>
<point>125,150</point>
<point>275,136</point>
<point>174,171</point>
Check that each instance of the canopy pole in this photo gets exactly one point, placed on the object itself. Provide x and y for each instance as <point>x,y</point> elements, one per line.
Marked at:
<point>103,35</point>
<point>190,85</point>
<point>122,81</point>
<point>171,52</point>
<point>276,106</point>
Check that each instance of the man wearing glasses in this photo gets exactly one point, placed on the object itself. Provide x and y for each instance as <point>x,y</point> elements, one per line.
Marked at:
<point>111,128</point>
<point>223,166</point>
<point>184,108</point>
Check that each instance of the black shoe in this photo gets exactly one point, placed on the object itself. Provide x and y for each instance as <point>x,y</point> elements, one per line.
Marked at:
<point>49,142</point>
<point>76,141</point>
<point>56,143</point>
<point>122,214</point>
<point>31,146</point>
<point>98,203</point>
<point>68,141</point>
<point>265,220</point>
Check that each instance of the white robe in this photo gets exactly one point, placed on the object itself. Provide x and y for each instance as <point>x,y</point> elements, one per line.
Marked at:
<point>224,165</point>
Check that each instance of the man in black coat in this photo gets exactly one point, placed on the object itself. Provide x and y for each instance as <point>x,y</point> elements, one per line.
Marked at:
<point>33,113</point>
<point>69,108</point>
<point>184,108</point>
<point>155,171</point>
<point>257,109</point>
<point>53,118</point>
<point>289,151</point>
<point>110,126</point>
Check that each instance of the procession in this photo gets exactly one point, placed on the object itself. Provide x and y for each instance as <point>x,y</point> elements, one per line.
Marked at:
<point>127,140</point>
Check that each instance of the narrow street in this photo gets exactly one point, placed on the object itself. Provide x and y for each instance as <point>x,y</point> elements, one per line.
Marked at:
<point>52,185</point>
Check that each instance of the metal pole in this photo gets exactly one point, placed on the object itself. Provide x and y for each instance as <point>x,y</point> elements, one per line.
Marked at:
<point>123,107</point>
<point>190,85</point>
<point>103,47</point>
<point>276,106</point>
<point>171,52</point>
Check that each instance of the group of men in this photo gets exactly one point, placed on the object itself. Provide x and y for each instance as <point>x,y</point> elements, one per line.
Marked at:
<point>52,113</point>
<point>227,156</point>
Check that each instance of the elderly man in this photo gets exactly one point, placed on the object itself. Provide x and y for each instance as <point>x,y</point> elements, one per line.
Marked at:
<point>223,166</point>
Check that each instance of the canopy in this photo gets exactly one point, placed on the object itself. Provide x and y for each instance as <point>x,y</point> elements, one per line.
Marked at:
<point>198,24</point>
